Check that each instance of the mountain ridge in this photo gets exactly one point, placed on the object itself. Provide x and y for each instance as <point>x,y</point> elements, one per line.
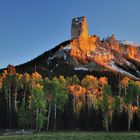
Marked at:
<point>84,52</point>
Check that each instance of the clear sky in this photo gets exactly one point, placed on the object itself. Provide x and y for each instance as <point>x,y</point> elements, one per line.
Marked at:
<point>30,27</point>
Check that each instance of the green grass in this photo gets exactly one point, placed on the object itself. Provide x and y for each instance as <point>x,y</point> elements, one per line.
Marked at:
<point>76,136</point>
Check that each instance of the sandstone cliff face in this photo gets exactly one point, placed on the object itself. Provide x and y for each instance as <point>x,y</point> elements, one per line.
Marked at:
<point>87,52</point>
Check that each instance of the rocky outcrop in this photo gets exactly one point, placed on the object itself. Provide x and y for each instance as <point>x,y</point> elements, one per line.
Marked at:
<point>89,52</point>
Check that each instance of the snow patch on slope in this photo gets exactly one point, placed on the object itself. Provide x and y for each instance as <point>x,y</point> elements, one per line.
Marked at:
<point>125,42</point>
<point>50,58</point>
<point>81,68</point>
<point>67,48</point>
<point>114,66</point>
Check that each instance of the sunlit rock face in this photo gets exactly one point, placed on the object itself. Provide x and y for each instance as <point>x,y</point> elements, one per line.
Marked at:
<point>82,43</point>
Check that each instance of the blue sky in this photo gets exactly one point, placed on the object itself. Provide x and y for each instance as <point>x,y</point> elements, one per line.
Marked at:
<point>30,27</point>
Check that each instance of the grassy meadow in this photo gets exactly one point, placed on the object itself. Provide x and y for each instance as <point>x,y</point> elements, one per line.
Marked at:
<point>77,136</point>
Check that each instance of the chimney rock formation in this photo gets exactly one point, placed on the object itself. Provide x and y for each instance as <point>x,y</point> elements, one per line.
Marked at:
<point>79,27</point>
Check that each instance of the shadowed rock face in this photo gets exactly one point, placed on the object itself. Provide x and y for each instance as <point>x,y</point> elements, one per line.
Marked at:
<point>79,27</point>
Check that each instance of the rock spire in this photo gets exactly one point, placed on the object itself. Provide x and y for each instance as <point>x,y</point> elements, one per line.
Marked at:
<point>79,27</point>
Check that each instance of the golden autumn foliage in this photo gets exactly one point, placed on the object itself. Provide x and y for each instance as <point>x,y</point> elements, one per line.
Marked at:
<point>36,76</point>
<point>103,81</point>
<point>4,74</point>
<point>19,76</point>
<point>89,92</point>
<point>38,86</point>
<point>90,82</point>
<point>76,90</point>
<point>26,77</point>
<point>138,83</point>
<point>134,108</point>
<point>2,77</point>
<point>124,82</point>
<point>78,93</point>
